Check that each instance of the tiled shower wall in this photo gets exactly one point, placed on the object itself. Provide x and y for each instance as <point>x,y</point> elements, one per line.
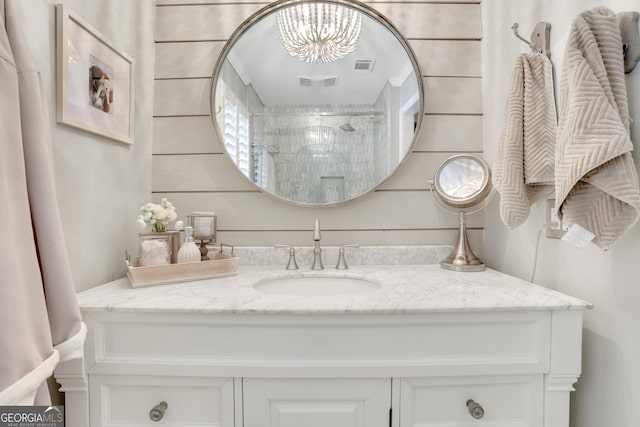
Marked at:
<point>344,159</point>
<point>191,170</point>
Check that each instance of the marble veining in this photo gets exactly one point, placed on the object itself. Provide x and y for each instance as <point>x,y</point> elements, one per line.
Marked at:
<point>364,255</point>
<point>403,289</point>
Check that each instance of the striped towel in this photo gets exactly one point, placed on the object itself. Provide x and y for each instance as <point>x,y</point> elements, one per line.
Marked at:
<point>524,167</point>
<point>596,179</point>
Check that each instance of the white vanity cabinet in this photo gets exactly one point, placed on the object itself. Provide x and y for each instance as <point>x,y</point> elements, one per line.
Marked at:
<point>127,400</point>
<point>316,402</point>
<point>511,400</point>
<point>494,352</point>
<point>261,370</point>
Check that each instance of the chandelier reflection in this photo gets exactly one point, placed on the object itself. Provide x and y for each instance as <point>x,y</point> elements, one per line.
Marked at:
<point>319,32</point>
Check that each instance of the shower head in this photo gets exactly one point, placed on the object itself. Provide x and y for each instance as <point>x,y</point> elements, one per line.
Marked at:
<point>347,126</point>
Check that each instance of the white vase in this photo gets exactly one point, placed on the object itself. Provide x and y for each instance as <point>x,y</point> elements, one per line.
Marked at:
<point>189,252</point>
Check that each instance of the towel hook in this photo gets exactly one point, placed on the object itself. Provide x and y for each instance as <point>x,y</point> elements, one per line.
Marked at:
<point>628,24</point>
<point>514,27</point>
<point>539,42</point>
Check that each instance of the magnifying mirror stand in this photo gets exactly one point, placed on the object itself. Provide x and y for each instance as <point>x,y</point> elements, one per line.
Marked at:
<point>462,185</point>
<point>462,257</point>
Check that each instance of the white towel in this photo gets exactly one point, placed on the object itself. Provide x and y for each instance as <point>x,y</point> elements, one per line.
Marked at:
<point>596,179</point>
<point>524,165</point>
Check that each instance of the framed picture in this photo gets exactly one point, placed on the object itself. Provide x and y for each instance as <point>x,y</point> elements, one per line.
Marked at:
<point>95,80</point>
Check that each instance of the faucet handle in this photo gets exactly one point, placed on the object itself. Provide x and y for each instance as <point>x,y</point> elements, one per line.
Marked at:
<point>292,264</point>
<point>342,262</point>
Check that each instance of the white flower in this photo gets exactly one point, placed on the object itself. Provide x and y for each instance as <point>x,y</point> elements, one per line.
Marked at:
<point>140,224</point>
<point>158,215</point>
<point>179,225</point>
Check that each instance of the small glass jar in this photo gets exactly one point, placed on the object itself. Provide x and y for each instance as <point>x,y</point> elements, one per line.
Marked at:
<point>154,249</point>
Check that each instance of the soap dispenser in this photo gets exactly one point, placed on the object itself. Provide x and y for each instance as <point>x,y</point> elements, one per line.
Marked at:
<point>189,252</point>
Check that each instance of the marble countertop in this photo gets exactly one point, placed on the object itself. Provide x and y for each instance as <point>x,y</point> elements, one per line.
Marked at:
<point>404,289</point>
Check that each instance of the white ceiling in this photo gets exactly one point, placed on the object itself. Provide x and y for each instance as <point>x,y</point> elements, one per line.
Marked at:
<point>261,60</point>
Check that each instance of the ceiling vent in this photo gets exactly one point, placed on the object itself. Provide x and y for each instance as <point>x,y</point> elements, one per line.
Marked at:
<point>318,81</point>
<point>364,65</point>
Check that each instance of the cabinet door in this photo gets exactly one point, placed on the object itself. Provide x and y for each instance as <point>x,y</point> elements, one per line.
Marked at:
<point>126,401</point>
<point>514,401</point>
<point>316,402</point>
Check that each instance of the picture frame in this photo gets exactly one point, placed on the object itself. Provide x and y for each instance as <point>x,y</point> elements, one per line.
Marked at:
<point>95,80</point>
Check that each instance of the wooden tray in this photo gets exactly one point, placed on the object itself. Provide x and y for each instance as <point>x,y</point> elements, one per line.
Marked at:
<point>220,265</point>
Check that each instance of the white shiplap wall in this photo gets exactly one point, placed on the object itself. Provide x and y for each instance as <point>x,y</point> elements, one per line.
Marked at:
<point>191,170</point>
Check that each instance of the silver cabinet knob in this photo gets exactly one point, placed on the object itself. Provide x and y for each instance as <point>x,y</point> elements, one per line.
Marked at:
<point>475,409</point>
<point>157,412</point>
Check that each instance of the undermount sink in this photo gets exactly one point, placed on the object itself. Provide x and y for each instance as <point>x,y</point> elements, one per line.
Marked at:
<point>316,286</point>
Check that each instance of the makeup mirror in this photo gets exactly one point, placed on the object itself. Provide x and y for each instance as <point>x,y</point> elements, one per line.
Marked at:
<point>310,122</point>
<point>461,185</point>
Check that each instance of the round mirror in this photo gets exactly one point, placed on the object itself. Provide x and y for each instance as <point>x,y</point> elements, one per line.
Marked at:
<point>317,103</point>
<point>462,182</point>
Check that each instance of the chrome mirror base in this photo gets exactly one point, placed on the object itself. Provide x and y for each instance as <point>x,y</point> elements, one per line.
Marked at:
<point>462,257</point>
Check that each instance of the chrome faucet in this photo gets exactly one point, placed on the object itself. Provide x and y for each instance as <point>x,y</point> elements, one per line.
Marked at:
<point>292,264</point>
<point>317,251</point>
<point>342,261</point>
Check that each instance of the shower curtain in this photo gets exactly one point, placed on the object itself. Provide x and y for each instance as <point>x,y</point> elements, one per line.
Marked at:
<point>40,322</point>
